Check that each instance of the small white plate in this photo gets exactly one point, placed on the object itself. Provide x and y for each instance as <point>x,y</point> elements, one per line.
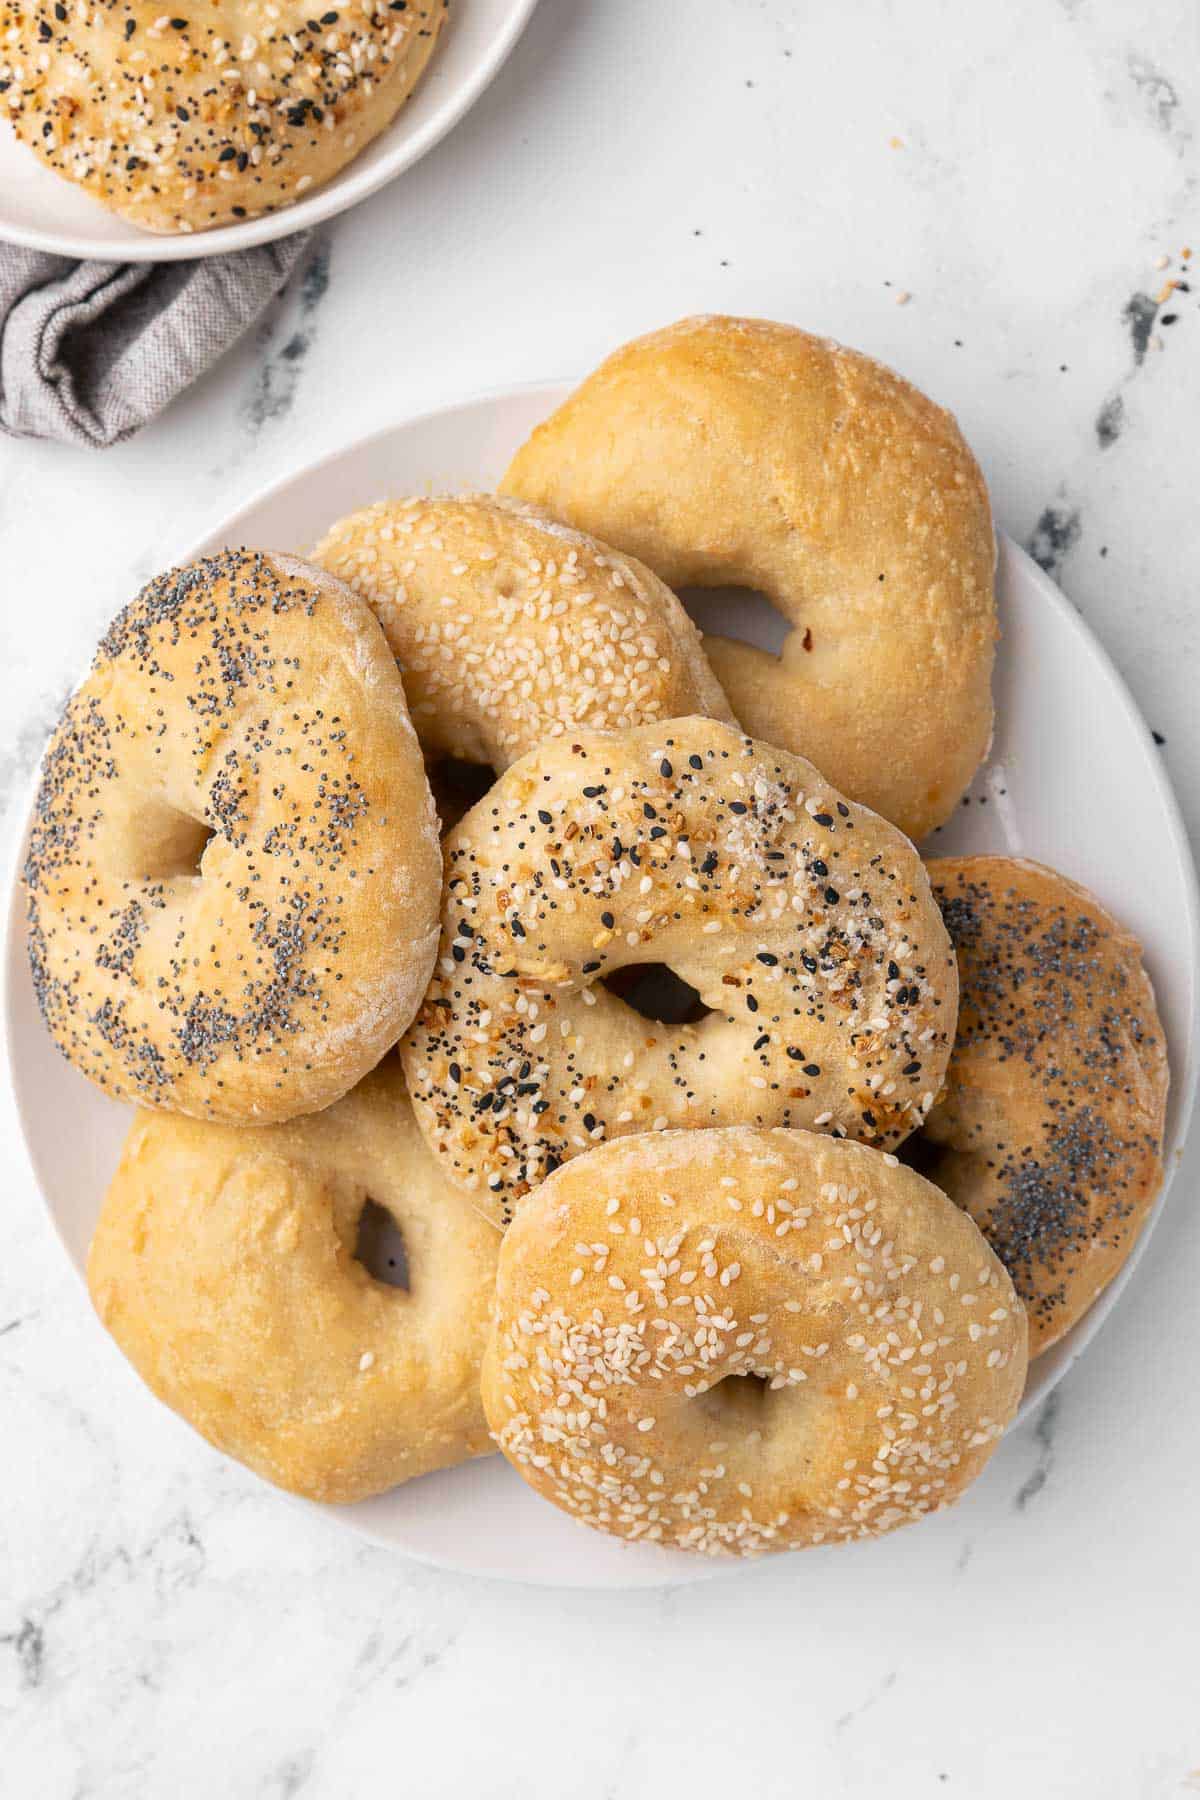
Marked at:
<point>1074,779</point>
<point>41,210</point>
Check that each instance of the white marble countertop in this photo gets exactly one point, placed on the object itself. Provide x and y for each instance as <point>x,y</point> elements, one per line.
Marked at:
<point>168,1626</point>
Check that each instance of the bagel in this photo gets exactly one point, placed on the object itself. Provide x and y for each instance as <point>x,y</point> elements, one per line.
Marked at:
<point>510,628</point>
<point>233,872</point>
<point>1050,1129</point>
<point>802,920</point>
<point>880,1343</point>
<point>223,1265</point>
<point>183,121</point>
<point>735,452</point>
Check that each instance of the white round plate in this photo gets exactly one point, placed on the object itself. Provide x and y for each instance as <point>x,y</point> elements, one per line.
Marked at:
<point>1071,754</point>
<point>41,210</point>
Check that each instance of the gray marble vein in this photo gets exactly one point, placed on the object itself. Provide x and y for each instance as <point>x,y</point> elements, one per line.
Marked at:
<point>1058,530</point>
<point>1044,1429</point>
<point>852,1716</point>
<point>282,364</point>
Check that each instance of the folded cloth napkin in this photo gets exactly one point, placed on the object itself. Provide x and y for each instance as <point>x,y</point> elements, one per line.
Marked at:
<point>91,351</point>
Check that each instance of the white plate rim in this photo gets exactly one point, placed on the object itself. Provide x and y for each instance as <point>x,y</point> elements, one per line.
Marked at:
<point>1185,1068</point>
<point>345,189</point>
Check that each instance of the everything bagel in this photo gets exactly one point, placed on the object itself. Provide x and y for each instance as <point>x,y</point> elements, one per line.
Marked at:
<point>736,452</point>
<point>233,873</point>
<point>740,1341</point>
<point>804,922</point>
<point>183,121</point>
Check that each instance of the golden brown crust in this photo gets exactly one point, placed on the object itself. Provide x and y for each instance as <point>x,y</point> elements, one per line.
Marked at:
<point>223,1265</point>
<point>233,874</point>
<point>886,1339</point>
<point>197,117</point>
<point>804,922</point>
<point>737,452</point>
<point>511,628</point>
<point>1050,1129</point>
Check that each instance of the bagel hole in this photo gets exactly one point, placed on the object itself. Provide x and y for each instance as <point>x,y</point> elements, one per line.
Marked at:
<point>657,993</point>
<point>457,786</point>
<point>379,1246</point>
<point>171,844</point>
<point>957,1172</point>
<point>741,1396</point>
<point>922,1155</point>
<point>741,613</point>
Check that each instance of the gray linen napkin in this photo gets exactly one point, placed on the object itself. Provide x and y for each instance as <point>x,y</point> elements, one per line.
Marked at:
<point>91,351</point>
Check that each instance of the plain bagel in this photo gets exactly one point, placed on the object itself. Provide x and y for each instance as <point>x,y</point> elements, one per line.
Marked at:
<point>224,1265</point>
<point>736,452</point>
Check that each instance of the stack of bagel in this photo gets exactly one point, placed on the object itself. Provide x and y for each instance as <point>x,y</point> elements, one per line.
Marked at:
<point>734,1160</point>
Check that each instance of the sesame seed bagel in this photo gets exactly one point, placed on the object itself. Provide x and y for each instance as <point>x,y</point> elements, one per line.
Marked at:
<point>804,922</point>
<point>233,872</point>
<point>883,1340</point>
<point>511,628</point>
<point>223,1264</point>
<point>1050,1128</point>
<point>736,452</point>
<point>183,120</point>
